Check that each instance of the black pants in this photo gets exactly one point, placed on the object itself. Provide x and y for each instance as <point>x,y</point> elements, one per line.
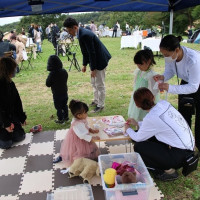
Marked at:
<point>54,42</point>
<point>187,114</point>
<point>7,139</point>
<point>60,103</point>
<point>114,34</point>
<point>160,156</point>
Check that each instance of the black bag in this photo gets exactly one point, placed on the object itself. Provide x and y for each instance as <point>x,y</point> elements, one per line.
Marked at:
<point>188,104</point>
<point>190,163</point>
<point>115,27</point>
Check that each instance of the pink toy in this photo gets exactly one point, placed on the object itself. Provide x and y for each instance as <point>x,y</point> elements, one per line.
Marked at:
<point>115,165</point>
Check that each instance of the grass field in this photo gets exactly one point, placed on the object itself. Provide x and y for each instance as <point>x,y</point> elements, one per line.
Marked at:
<point>38,103</point>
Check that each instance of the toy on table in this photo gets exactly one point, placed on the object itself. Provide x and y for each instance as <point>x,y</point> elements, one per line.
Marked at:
<point>84,168</point>
<point>116,121</point>
<point>109,177</point>
<point>113,131</point>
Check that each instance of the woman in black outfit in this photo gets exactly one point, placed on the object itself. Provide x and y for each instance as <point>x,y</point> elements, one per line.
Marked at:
<point>12,116</point>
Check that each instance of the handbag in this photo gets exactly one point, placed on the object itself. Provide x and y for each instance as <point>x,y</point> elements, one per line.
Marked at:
<point>191,163</point>
<point>188,104</point>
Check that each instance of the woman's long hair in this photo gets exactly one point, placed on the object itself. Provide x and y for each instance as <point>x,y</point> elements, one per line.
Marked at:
<point>7,68</point>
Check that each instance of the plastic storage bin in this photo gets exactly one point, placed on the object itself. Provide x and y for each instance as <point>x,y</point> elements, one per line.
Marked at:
<point>132,191</point>
<point>76,192</point>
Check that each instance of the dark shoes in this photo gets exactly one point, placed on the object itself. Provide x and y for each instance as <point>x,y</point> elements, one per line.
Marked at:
<point>66,119</point>
<point>93,104</point>
<point>59,121</point>
<point>166,177</point>
<point>58,159</point>
<point>97,109</point>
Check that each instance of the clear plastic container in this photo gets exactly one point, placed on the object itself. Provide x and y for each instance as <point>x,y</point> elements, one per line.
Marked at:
<point>132,191</point>
<point>76,192</point>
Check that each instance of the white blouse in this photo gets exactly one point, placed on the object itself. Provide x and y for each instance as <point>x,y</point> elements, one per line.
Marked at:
<point>188,69</point>
<point>81,131</point>
<point>168,126</point>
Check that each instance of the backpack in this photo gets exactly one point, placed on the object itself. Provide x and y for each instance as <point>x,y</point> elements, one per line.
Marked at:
<point>115,27</point>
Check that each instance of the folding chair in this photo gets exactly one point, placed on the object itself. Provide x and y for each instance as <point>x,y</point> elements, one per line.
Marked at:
<point>74,45</point>
<point>29,51</point>
<point>74,62</point>
<point>25,57</point>
<point>38,54</point>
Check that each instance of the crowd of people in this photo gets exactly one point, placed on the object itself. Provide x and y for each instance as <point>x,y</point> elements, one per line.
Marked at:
<point>162,136</point>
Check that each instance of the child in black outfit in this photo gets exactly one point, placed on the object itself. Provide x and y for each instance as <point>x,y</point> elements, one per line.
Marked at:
<point>57,80</point>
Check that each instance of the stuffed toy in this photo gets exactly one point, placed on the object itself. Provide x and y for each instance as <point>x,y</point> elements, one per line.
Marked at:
<point>129,177</point>
<point>84,168</point>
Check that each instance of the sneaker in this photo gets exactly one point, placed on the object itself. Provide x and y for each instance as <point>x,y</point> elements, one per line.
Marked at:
<point>59,121</point>
<point>97,109</point>
<point>166,177</point>
<point>93,104</point>
<point>58,159</point>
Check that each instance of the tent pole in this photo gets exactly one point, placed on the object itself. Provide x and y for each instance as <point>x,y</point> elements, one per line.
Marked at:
<point>171,21</point>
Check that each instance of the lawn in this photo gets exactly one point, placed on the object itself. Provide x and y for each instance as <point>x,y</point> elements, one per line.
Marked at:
<point>38,103</point>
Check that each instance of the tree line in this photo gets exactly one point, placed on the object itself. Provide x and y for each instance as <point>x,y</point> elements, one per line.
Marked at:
<point>182,19</point>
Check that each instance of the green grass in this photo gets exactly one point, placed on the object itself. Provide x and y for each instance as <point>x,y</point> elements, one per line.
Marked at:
<point>38,103</point>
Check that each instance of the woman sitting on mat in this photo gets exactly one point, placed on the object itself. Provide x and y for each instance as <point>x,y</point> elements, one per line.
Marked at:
<point>12,116</point>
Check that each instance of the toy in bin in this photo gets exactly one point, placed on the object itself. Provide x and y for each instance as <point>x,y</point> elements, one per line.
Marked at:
<point>109,177</point>
<point>36,129</point>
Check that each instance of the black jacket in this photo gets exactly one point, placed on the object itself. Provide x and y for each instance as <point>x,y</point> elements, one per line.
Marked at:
<point>11,109</point>
<point>58,76</point>
<point>94,52</point>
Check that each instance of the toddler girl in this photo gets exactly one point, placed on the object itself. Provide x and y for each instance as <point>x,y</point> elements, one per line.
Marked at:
<point>78,143</point>
<point>143,78</point>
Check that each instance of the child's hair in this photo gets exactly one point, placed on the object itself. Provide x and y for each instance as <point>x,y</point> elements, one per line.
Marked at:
<point>54,63</point>
<point>144,56</point>
<point>144,98</point>
<point>78,107</point>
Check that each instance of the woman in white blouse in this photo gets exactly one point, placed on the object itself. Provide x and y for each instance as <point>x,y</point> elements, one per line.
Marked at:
<point>164,138</point>
<point>184,63</point>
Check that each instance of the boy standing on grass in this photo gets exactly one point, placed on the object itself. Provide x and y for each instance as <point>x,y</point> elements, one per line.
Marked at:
<point>57,80</point>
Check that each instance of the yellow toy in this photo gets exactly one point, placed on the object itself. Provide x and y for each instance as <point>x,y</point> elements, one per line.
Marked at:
<point>109,177</point>
<point>85,168</point>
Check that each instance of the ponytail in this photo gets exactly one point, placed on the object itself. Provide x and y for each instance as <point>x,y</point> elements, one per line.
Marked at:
<point>170,42</point>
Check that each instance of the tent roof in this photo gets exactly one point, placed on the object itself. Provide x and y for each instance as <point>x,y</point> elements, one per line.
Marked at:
<point>21,7</point>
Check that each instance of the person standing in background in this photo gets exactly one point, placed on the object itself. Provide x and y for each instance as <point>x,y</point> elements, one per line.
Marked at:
<point>115,27</point>
<point>93,27</point>
<point>96,55</point>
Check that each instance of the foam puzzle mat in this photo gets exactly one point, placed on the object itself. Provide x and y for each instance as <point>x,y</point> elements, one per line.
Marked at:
<point>28,173</point>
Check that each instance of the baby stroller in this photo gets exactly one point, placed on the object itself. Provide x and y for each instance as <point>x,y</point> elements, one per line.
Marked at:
<point>194,36</point>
